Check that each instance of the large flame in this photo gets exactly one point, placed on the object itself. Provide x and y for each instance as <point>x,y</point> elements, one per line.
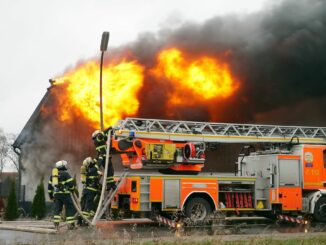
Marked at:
<point>121,83</point>
<point>194,79</point>
<point>191,80</point>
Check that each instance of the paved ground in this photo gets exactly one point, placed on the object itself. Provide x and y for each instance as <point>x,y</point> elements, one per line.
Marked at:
<point>134,233</point>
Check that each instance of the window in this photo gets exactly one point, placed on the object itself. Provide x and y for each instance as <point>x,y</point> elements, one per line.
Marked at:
<point>134,186</point>
<point>289,172</point>
<point>324,156</point>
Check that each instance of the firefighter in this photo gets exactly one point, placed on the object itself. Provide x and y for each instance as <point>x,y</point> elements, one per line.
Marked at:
<point>90,177</point>
<point>59,188</point>
<point>100,138</point>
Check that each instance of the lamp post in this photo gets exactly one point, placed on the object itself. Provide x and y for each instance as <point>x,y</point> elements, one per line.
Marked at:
<point>104,47</point>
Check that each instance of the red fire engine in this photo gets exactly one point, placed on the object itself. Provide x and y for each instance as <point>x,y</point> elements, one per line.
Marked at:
<point>288,178</point>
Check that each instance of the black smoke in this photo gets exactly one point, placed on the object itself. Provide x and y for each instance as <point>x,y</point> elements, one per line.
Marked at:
<point>278,55</point>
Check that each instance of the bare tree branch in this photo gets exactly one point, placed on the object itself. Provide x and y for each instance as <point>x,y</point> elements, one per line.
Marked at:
<point>7,155</point>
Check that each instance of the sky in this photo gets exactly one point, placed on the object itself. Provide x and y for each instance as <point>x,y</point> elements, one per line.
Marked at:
<point>40,39</point>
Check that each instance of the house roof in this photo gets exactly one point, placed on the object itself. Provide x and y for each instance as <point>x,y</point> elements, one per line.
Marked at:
<point>30,125</point>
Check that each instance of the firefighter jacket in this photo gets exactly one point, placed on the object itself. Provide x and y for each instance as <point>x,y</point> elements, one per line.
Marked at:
<point>65,185</point>
<point>92,177</point>
<point>100,142</point>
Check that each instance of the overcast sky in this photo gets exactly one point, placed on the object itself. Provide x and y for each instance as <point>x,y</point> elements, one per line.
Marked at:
<point>40,39</point>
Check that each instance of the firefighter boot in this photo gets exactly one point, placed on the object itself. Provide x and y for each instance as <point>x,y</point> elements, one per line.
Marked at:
<point>56,225</point>
<point>79,220</point>
<point>71,226</point>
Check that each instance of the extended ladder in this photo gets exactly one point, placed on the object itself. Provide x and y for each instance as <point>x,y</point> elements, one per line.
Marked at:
<point>217,132</point>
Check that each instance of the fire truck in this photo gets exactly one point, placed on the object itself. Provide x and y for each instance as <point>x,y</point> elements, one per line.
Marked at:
<point>288,177</point>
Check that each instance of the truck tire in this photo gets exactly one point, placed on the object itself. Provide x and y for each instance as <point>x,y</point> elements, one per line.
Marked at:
<point>320,209</point>
<point>197,209</point>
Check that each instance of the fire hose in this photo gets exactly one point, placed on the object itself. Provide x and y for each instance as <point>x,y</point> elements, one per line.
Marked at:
<point>77,207</point>
<point>95,218</point>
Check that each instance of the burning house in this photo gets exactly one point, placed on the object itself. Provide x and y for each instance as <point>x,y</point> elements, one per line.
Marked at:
<point>266,67</point>
<point>62,123</point>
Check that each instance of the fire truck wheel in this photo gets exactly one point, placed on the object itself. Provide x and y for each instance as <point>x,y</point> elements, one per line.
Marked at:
<point>320,210</point>
<point>197,209</point>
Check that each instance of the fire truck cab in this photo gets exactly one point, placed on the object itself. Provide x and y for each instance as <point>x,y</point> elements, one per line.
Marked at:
<point>289,181</point>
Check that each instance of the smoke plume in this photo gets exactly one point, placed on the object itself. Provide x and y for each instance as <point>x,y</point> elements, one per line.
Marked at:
<point>278,55</point>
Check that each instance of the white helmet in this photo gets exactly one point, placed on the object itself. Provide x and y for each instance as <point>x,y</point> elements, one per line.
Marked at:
<point>87,161</point>
<point>96,132</point>
<point>61,164</point>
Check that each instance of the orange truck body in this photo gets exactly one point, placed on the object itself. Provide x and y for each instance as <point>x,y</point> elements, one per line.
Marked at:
<point>282,181</point>
<point>172,192</point>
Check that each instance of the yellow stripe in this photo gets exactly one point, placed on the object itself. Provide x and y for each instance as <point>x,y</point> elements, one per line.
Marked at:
<point>203,178</point>
<point>61,192</point>
<point>171,209</point>
<point>233,178</point>
<point>90,188</point>
<point>312,183</point>
<point>100,147</point>
<point>92,177</point>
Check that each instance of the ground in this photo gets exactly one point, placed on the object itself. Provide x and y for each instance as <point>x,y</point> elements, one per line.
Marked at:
<point>131,234</point>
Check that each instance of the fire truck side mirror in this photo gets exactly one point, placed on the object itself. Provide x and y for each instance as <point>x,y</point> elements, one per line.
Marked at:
<point>105,41</point>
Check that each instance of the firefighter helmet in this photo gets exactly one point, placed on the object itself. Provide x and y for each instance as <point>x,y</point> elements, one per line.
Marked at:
<point>87,161</point>
<point>61,164</point>
<point>96,132</point>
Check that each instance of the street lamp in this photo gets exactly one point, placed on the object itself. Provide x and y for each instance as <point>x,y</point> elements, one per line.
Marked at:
<point>104,47</point>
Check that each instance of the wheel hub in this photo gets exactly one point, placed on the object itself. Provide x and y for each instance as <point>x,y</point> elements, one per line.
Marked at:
<point>198,212</point>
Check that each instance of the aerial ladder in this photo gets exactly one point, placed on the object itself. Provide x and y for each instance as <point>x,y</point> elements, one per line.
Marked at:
<point>180,145</point>
<point>177,130</point>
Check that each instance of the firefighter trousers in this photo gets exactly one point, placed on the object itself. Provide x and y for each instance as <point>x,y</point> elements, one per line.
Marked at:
<point>110,183</point>
<point>89,206</point>
<point>60,200</point>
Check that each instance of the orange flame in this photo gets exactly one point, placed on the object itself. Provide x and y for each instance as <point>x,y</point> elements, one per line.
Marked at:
<point>200,79</point>
<point>121,83</point>
<point>204,80</point>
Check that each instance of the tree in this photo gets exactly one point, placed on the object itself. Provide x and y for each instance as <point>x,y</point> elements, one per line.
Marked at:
<point>7,154</point>
<point>3,150</point>
<point>39,205</point>
<point>12,204</point>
